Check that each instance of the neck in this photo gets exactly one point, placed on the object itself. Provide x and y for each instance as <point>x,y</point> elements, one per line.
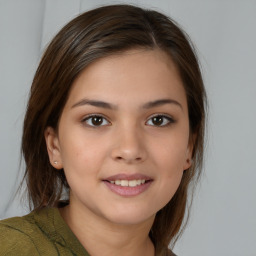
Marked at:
<point>100,236</point>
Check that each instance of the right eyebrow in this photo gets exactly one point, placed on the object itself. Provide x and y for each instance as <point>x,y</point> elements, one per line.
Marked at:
<point>161,102</point>
<point>95,103</point>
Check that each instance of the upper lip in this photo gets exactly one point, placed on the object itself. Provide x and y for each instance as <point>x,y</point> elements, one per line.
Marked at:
<point>124,176</point>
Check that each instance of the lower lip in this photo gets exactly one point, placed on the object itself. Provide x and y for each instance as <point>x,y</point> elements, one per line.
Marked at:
<point>128,191</point>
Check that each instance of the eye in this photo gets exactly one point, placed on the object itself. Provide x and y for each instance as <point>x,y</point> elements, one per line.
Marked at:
<point>160,120</point>
<point>95,121</point>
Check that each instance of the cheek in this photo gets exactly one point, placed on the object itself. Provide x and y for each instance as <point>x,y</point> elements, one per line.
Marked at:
<point>82,154</point>
<point>170,168</point>
<point>170,155</point>
<point>81,168</point>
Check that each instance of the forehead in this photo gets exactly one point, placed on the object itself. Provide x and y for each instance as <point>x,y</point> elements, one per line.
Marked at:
<point>134,75</point>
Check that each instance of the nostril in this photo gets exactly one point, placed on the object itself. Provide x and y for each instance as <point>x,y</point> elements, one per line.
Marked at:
<point>127,156</point>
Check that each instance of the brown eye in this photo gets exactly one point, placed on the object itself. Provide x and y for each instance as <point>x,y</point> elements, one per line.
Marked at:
<point>96,120</point>
<point>160,120</point>
<point>157,120</point>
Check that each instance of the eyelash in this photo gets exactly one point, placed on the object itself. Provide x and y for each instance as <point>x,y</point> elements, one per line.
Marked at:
<point>168,120</point>
<point>90,117</point>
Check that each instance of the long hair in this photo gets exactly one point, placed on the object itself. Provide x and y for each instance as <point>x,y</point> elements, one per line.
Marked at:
<point>93,35</point>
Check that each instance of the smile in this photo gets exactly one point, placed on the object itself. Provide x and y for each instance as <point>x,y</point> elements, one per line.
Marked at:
<point>128,183</point>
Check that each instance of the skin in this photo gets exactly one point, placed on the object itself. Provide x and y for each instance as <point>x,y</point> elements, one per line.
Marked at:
<point>128,141</point>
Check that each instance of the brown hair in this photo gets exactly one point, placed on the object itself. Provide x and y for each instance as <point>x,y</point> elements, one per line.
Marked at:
<point>92,35</point>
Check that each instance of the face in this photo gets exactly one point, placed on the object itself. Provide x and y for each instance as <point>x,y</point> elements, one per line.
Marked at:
<point>123,136</point>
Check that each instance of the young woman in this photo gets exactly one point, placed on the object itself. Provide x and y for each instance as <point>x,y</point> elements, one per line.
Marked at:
<point>113,136</point>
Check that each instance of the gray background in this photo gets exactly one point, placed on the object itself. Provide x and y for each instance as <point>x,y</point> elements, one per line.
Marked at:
<point>223,219</point>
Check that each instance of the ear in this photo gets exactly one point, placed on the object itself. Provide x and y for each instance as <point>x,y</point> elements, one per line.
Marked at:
<point>53,147</point>
<point>188,157</point>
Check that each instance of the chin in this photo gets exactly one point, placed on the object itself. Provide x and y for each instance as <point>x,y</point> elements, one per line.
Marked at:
<point>127,217</point>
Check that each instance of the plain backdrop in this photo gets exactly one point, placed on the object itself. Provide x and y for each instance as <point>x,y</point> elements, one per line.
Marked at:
<point>223,219</point>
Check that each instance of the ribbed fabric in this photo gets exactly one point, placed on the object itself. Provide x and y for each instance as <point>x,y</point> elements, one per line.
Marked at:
<point>38,233</point>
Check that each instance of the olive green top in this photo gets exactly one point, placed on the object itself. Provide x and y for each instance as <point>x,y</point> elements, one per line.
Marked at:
<point>38,233</point>
<point>41,232</point>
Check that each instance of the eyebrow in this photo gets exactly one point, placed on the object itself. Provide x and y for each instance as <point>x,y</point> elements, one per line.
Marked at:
<point>161,102</point>
<point>95,103</point>
<point>103,104</point>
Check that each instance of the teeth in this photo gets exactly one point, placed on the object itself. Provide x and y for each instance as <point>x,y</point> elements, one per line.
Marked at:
<point>132,183</point>
<point>138,182</point>
<point>118,182</point>
<point>128,183</point>
<point>124,183</point>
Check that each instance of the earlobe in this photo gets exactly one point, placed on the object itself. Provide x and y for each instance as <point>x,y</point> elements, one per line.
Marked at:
<point>53,147</point>
<point>189,154</point>
<point>187,164</point>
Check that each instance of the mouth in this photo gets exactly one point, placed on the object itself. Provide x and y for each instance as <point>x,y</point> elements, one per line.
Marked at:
<point>128,185</point>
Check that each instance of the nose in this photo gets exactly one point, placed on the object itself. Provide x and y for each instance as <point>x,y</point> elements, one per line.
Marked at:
<point>129,146</point>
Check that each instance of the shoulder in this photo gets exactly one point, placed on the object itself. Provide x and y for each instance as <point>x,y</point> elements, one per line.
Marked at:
<point>32,234</point>
<point>41,232</point>
<point>15,237</point>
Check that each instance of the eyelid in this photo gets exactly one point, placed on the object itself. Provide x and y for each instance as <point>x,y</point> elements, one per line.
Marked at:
<point>170,119</point>
<point>87,117</point>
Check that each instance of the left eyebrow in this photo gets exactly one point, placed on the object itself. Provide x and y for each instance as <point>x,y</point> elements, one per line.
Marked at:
<point>161,102</point>
<point>95,103</point>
